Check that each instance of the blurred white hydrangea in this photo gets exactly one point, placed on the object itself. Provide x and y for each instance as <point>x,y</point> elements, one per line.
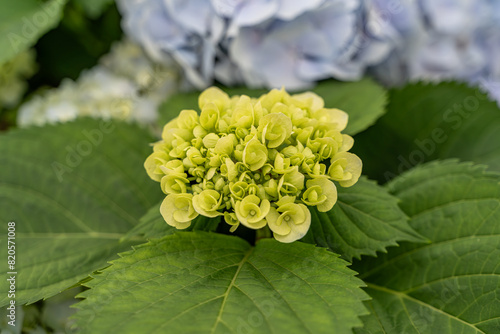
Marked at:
<point>256,42</point>
<point>154,80</point>
<point>13,76</point>
<point>126,86</point>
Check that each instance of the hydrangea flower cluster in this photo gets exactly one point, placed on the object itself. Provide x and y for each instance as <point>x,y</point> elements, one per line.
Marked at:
<point>270,43</point>
<point>254,161</point>
<point>265,43</point>
<point>126,85</point>
<point>13,76</point>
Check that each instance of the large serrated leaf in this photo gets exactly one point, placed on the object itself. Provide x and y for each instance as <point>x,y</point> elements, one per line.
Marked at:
<point>425,122</point>
<point>199,282</point>
<point>23,22</point>
<point>366,219</point>
<point>363,100</point>
<point>152,225</point>
<point>450,285</point>
<point>73,191</point>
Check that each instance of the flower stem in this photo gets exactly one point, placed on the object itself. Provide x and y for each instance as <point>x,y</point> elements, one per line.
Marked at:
<point>262,233</point>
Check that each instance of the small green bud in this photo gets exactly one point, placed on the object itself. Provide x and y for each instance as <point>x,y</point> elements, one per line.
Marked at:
<point>215,160</point>
<point>346,168</point>
<point>289,222</point>
<point>225,145</point>
<point>178,211</point>
<point>304,134</point>
<point>271,188</point>
<point>213,95</point>
<point>241,132</point>
<point>199,132</point>
<point>282,165</point>
<point>254,154</point>
<point>308,100</point>
<point>188,119</point>
<point>247,177</point>
<point>291,183</point>
<point>230,218</point>
<point>243,115</point>
<point>195,157</point>
<point>177,135</point>
<point>228,170</point>
<point>207,203</point>
<point>251,211</point>
<point>270,99</point>
<point>238,189</point>
<point>199,171</point>
<point>335,116</point>
<point>174,183</point>
<point>347,143</point>
<point>219,184</point>
<point>153,163</point>
<point>274,129</point>
<point>197,189</point>
<point>207,184</point>
<point>325,147</point>
<point>209,117</point>
<point>179,150</point>
<point>320,192</point>
<point>210,173</point>
<point>210,140</point>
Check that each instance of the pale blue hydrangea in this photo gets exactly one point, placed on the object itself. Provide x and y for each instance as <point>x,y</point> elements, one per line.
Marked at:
<point>187,30</point>
<point>290,43</point>
<point>326,42</point>
<point>257,42</point>
<point>492,87</point>
<point>244,13</point>
<point>436,40</point>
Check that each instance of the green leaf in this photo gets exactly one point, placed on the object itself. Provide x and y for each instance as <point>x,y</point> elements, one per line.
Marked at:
<point>22,23</point>
<point>363,100</point>
<point>152,225</point>
<point>94,8</point>
<point>198,282</point>
<point>73,191</point>
<point>450,285</point>
<point>366,219</point>
<point>425,122</point>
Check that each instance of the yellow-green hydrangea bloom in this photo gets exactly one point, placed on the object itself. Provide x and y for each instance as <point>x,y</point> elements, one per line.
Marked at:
<point>255,161</point>
<point>289,221</point>
<point>178,210</point>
